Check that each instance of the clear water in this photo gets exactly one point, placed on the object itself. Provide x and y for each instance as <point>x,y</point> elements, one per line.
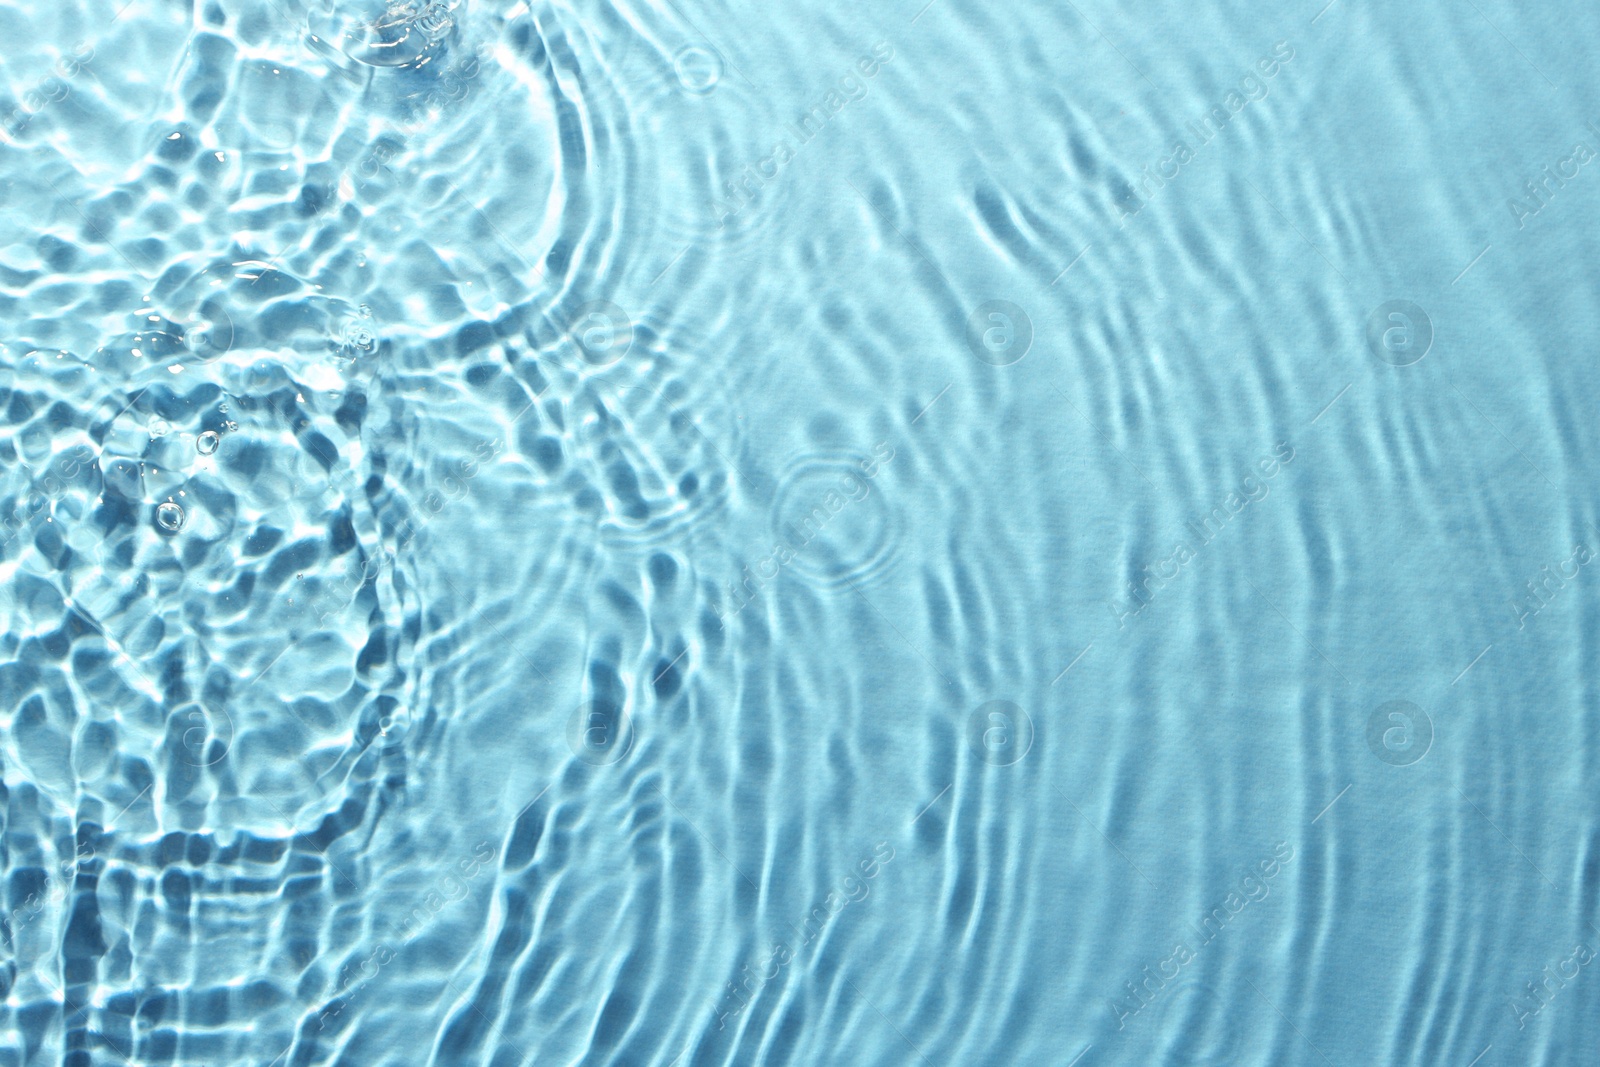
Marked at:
<point>702,533</point>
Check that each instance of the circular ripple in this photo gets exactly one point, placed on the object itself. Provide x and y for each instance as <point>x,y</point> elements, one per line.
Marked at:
<point>835,522</point>
<point>698,69</point>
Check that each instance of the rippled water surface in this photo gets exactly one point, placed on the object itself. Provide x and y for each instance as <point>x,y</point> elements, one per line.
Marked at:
<point>698,532</point>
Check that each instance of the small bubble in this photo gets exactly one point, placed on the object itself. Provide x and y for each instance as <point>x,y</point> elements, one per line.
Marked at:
<point>698,69</point>
<point>170,517</point>
<point>207,442</point>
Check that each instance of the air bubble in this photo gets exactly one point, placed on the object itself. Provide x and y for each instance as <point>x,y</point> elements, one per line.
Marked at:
<point>207,442</point>
<point>169,517</point>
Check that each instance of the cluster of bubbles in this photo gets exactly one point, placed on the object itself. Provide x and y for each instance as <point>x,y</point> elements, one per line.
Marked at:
<point>170,516</point>
<point>400,33</point>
